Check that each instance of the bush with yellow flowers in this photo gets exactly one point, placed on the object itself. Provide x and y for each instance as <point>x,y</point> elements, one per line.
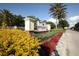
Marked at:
<point>14,42</point>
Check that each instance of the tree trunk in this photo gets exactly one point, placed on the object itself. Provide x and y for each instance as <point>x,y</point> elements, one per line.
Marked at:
<point>56,23</point>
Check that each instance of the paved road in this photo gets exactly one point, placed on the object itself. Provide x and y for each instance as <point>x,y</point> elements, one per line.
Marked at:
<point>69,44</point>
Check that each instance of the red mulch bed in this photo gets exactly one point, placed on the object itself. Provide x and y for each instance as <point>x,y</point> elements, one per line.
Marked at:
<point>51,43</point>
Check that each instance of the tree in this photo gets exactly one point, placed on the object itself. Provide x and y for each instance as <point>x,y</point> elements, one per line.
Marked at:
<point>52,24</point>
<point>8,19</point>
<point>17,20</point>
<point>63,23</point>
<point>58,11</point>
<point>0,22</point>
<point>5,17</point>
<point>33,18</point>
<point>76,27</point>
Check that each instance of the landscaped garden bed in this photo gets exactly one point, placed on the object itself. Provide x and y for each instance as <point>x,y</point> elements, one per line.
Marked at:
<point>15,42</point>
<point>50,44</point>
<point>47,35</point>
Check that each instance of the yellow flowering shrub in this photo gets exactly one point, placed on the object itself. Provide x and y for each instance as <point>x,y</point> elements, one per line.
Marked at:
<point>16,42</point>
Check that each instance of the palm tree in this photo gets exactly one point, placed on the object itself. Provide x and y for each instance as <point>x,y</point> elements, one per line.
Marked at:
<point>5,16</point>
<point>58,11</point>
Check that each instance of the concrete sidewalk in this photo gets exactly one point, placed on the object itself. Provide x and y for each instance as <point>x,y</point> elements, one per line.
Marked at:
<point>69,44</point>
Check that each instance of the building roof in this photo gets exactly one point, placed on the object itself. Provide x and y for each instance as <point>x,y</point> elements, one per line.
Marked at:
<point>27,18</point>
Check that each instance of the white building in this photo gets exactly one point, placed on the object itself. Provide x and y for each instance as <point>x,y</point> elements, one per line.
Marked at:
<point>30,25</point>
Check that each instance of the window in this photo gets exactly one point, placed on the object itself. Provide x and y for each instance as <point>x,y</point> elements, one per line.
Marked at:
<point>43,24</point>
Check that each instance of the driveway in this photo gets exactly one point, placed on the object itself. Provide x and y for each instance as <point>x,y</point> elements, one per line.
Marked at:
<point>69,44</point>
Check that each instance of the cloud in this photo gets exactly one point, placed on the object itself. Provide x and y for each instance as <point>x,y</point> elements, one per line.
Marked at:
<point>52,20</point>
<point>72,20</point>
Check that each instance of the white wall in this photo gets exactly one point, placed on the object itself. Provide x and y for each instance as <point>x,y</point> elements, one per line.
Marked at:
<point>48,27</point>
<point>41,27</point>
<point>29,25</point>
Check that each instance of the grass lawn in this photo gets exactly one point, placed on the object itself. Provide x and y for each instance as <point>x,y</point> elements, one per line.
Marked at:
<point>48,34</point>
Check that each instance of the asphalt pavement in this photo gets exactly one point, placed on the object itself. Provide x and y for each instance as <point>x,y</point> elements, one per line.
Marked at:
<point>69,44</point>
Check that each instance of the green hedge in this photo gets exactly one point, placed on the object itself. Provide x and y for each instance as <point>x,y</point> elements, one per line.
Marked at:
<point>45,36</point>
<point>48,34</point>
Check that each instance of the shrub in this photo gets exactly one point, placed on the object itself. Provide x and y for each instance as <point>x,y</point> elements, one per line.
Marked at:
<point>45,36</point>
<point>4,25</point>
<point>51,44</point>
<point>17,43</point>
<point>48,34</point>
<point>76,26</point>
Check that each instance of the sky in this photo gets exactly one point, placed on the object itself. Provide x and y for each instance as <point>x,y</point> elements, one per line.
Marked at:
<point>41,10</point>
